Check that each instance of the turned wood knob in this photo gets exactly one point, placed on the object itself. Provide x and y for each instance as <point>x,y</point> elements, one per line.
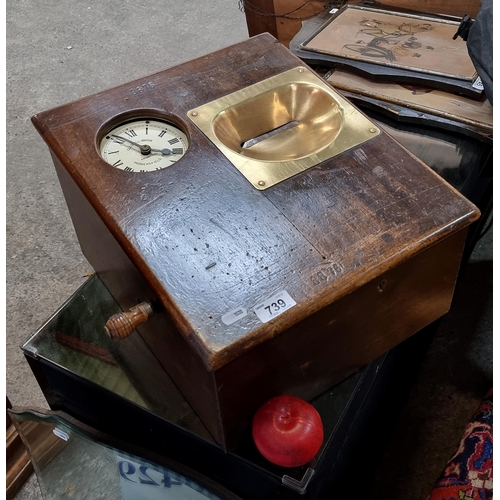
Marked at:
<point>122,324</point>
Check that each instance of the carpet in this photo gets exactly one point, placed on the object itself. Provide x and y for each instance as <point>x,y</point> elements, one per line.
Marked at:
<point>469,473</point>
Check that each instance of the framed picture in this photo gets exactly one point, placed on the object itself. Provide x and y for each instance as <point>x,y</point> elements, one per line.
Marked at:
<point>477,113</point>
<point>390,46</point>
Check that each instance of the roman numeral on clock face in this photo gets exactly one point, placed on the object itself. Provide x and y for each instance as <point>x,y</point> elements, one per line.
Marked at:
<point>143,145</point>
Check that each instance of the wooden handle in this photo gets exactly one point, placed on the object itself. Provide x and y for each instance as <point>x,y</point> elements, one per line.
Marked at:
<point>122,324</point>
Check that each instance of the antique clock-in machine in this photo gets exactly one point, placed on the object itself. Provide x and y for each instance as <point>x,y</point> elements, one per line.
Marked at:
<point>268,237</point>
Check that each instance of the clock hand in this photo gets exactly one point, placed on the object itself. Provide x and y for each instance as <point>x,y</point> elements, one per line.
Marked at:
<point>162,151</point>
<point>145,149</point>
<point>125,139</point>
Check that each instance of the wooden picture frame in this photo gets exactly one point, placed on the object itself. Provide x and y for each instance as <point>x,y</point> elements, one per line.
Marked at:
<point>283,18</point>
<point>409,42</point>
<point>467,83</point>
<point>476,113</point>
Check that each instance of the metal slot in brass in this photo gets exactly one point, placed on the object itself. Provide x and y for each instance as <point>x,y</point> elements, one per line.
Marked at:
<point>281,126</point>
<point>268,135</point>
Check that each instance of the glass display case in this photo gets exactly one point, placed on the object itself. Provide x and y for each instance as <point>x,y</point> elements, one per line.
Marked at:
<point>76,461</point>
<point>120,389</point>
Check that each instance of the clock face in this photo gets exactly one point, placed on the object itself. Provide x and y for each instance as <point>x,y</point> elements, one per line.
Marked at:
<point>143,145</point>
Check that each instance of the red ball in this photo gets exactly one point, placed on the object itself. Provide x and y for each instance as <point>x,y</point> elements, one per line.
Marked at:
<point>288,431</point>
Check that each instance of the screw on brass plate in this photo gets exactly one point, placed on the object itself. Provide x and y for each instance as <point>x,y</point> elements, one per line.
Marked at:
<point>373,130</point>
<point>194,113</point>
<point>261,183</point>
<point>301,70</point>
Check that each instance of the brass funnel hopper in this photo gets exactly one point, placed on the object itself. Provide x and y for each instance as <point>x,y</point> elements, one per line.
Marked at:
<point>281,126</point>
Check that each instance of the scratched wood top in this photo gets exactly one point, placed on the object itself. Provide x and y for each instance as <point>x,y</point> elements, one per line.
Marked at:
<point>208,243</point>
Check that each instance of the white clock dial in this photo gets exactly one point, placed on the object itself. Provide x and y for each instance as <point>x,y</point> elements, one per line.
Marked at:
<point>143,145</point>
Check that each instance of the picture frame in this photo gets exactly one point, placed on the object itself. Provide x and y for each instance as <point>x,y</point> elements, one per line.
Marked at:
<point>389,64</point>
<point>472,112</point>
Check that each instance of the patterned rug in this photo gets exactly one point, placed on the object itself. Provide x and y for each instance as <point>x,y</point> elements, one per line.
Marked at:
<point>469,474</point>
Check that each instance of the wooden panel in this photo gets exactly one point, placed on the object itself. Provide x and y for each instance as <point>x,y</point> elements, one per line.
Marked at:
<point>43,446</point>
<point>18,463</point>
<point>128,288</point>
<point>341,338</point>
<point>288,25</point>
<point>260,17</point>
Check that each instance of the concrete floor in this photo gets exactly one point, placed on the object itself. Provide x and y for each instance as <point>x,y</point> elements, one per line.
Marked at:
<point>64,50</point>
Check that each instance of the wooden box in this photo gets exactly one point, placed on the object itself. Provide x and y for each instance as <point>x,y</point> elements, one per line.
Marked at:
<point>257,292</point>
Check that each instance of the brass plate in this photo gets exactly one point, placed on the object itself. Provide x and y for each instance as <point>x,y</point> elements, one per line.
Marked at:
<point>281,126</point>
